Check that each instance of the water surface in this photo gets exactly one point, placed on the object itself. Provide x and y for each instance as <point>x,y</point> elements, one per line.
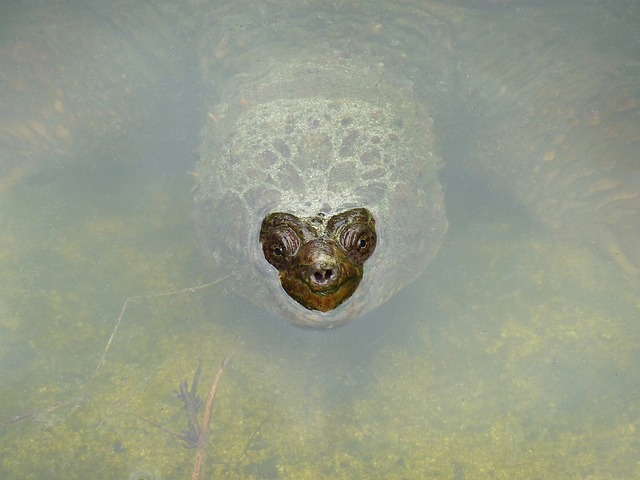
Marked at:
<point>514,356</point>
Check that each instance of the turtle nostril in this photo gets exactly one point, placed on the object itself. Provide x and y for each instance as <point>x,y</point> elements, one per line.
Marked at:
<point>323,276</point>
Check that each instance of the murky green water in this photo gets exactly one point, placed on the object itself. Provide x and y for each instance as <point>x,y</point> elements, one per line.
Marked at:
<point>515,356</point>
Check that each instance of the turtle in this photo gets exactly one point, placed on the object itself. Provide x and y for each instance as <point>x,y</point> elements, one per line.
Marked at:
<point>322,202</point>
<point>318,189</point>
<point>317,192</point>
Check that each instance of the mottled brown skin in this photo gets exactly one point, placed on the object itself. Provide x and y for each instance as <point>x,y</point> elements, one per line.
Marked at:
<point>320,260</point>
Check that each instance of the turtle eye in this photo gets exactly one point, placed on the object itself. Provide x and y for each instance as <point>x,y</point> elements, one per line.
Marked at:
<point>355,231</point>
<point>359,241</point>
<point>279,246</point>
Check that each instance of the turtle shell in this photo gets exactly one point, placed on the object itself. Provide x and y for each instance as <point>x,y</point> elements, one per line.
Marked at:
<point>309,144</point>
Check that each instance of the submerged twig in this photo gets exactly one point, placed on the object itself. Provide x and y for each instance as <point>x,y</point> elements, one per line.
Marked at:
<point>126,303</point>
<point>191,400</point>
<point>201,453</point>
<point>184,438</point>
<point>197,432</point>
<point>253,435</point>
<point>40,411</point>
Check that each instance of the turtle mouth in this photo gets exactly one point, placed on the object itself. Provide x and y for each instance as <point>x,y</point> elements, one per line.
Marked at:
<point>320,259</point>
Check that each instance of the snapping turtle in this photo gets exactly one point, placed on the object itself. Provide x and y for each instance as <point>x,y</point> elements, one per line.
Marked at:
<point>317,187</point>
<point>331,187</point>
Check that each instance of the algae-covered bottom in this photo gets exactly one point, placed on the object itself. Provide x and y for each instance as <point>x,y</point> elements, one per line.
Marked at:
<point>528,345</point>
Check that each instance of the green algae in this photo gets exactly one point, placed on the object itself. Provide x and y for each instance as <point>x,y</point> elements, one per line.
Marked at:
<point>515,357</point>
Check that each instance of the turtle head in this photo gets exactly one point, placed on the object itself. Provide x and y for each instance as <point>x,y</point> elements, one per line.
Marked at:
<point>320,260</point>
